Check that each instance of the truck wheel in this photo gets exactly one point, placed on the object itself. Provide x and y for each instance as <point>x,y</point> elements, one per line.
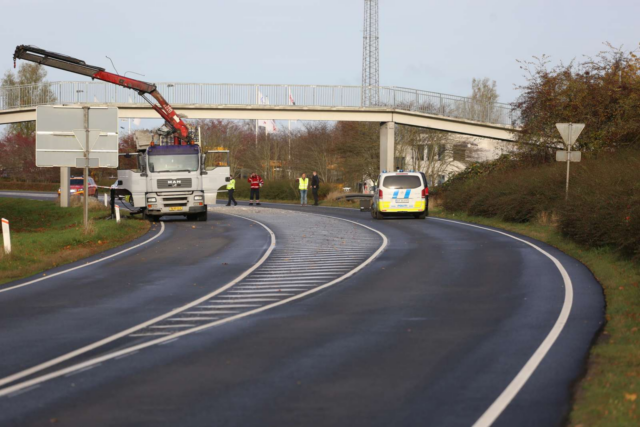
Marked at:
<point>202,216</point>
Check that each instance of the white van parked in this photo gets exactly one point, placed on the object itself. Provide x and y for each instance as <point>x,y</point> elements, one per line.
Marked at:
<point>401,193</point>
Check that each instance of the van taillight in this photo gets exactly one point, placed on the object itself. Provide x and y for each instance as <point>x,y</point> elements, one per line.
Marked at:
<point>380,193</point>
<point>424,192</point>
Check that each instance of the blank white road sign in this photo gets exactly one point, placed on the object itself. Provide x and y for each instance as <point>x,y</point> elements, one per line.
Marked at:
<point>61,136</point>
<point>576,129</point>
<point>561,156</point>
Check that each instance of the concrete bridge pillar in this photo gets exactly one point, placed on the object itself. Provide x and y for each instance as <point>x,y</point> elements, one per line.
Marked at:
<point>387,146</point>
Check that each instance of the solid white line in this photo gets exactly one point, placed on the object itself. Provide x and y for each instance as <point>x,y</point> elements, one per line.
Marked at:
<point>186,319</point>
<point>87,264</point>
<point>143,325</point>
<point>138,347</point>
<point>499,405</point>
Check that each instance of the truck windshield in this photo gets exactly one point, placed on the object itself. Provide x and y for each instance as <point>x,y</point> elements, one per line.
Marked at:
<point>173,162</point>
<point>401,181</point>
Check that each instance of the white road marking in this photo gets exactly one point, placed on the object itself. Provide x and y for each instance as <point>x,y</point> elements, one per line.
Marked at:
<point>246,300</point>
<point>238,297</point>
<point>171,326</point>
<point>85,265</point>
<point>259,291</point>
<point>276,281</point>
<point>307,268</point>
<point>500,404</point>
<point>126,355</point>
<point>215,312</point>
<point>149,334</point>
<point>189,319</point>
<point>25,390</point>
<point>143,325</point>
<point>234,306</point>
<point>277,287</point>
<point>277,303</point>
<point>170,341</point>
<point>83,370</point>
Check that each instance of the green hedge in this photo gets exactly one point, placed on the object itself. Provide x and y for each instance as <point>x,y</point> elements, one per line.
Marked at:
<point>283,189</point>
<point>603,209</point>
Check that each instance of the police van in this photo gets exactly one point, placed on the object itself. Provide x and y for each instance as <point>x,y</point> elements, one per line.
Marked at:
<point>401,193</point>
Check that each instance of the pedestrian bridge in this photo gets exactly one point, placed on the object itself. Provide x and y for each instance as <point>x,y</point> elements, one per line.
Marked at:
<point>411,107</point>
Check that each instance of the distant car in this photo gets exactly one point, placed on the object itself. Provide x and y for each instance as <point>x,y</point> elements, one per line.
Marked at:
<point>401,193</point>
<point>76,187</point>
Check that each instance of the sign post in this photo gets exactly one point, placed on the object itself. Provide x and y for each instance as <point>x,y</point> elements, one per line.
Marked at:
<point>570,133</point>
<point>64,139</point>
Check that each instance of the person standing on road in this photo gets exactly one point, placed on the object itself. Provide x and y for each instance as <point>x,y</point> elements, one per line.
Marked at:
<point>315,186</point>
<point>303,186</point>
<point>231,188</point>
<point>256,182</point>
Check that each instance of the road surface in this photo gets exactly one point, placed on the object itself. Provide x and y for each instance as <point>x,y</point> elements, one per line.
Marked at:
<point>287,316</point>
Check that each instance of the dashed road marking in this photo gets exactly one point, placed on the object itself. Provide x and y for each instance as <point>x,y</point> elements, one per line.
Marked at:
<point>270,299</point>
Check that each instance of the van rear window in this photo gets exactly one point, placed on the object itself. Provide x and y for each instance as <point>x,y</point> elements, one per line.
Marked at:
<point>401,181</point>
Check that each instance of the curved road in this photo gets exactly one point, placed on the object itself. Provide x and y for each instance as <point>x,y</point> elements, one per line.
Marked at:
<point>431,330</point>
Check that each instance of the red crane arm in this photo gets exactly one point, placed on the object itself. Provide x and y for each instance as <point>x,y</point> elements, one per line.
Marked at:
<point>68,63</point>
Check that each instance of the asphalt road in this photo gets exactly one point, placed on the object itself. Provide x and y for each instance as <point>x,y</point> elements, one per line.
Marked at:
<point>431,331</point>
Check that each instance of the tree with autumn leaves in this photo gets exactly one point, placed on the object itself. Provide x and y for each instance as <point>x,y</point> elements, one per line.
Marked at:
<point>602,92</point>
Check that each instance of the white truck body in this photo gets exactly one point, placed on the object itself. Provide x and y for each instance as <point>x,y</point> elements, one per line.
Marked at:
<point>173,180</point>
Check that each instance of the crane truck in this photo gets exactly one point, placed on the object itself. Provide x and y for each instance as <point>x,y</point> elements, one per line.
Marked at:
<point>174,175</point>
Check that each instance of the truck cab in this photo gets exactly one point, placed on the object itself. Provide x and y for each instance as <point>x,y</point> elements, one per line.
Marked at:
<point>174,180</point>
<point>401,193</point>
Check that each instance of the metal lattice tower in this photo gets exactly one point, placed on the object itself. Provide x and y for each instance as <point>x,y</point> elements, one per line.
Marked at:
<point>370,54</point>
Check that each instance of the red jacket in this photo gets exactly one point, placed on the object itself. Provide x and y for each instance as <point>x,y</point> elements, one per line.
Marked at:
<point>255,182</point>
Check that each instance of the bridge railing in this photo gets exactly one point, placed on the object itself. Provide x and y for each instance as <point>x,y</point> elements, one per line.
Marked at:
<point>256,94</point>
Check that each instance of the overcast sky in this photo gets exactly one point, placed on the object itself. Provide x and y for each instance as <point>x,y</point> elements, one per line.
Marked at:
<point>431,45</point>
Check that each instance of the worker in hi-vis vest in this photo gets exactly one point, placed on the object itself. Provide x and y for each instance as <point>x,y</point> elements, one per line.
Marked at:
<point>303,186</point>
<point>231,188</point>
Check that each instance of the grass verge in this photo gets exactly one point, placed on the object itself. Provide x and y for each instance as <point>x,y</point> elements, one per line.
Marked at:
<point>608,393</point>
<point>44,236</point>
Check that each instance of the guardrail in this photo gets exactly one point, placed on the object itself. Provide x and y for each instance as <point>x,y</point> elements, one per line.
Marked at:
<point>256,94</point>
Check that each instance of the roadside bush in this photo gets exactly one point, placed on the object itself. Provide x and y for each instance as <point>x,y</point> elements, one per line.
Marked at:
<point>604,204</point>
<point>514,195</point>
<point>604,200</point>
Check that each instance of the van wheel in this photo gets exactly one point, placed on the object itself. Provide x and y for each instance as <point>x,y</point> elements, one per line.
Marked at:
<point>420,215</point>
